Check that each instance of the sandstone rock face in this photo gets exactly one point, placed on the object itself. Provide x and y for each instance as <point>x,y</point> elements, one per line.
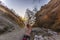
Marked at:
<point>10,25</point>
<point>49,16</point>
<point>11,15</point>
<point>8,20</point>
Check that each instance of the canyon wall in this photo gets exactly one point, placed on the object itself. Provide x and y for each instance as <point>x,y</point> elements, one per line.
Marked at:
<point>49,16</point>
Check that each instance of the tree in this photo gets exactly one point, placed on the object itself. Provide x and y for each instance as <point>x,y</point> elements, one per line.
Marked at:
<point>35,9</point>
<point>30,15</point>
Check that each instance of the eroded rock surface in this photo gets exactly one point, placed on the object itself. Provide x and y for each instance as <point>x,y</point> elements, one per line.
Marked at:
<point>49,16</point>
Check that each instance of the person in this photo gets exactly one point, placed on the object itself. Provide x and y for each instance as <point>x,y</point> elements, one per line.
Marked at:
<point>27,32</point>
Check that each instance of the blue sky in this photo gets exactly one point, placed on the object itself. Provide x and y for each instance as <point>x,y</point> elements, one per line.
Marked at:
<point>20,6</point>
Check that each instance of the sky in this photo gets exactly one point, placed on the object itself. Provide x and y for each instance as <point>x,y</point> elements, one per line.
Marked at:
<point>20,6</point>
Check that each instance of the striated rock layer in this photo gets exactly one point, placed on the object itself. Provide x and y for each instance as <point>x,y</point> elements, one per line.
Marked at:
<point>49,16</point>
<point>8,20</point>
